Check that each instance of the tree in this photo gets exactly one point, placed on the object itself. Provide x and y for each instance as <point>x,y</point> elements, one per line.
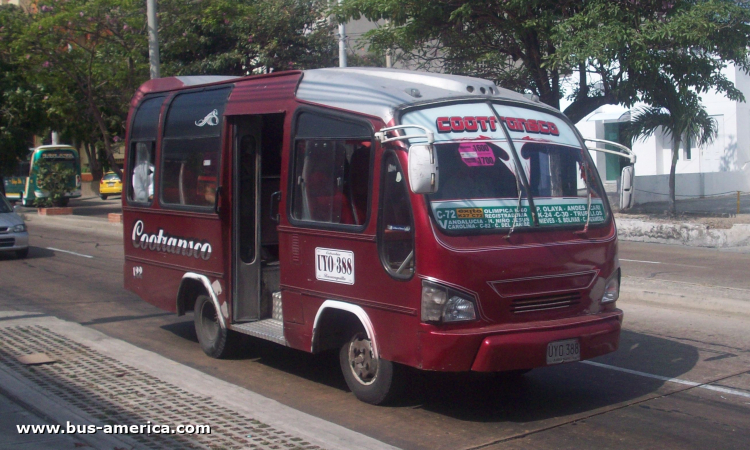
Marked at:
<point>592,52</point>
<point>682,117</point>
<point>21,113</point>
<point>91,55</point>
<point>243,37</point>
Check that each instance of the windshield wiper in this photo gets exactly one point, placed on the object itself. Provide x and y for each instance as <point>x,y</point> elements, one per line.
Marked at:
<point>519,174</point>
<point>518,209</point>
<point>587,175</point>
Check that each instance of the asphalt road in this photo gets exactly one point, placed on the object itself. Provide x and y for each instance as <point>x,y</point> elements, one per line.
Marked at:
<point>681,379</point>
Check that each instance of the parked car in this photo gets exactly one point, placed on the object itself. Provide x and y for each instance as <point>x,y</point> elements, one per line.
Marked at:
<point>13,234</point>
<point>110,185</point>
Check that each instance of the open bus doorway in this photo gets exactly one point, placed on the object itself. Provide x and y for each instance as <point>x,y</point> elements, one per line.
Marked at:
<point>257,174</point>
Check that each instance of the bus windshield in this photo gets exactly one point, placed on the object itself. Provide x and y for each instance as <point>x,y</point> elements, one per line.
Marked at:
<point>480,183</point>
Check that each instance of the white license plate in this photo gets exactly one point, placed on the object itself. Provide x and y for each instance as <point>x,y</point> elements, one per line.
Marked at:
<point>111,184</point>
<point>563,351</point>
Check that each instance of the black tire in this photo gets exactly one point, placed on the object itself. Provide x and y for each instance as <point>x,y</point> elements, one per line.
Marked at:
<point>102,196</point>
<point>64,201</point>
<point>215,341</point>
<point>376,385</point>
<point>21,254</point>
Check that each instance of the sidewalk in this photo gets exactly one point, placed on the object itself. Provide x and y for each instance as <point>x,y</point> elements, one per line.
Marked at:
<point>98,380</point>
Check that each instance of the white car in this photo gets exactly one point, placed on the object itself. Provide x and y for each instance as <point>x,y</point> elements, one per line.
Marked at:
<point>13,234</point>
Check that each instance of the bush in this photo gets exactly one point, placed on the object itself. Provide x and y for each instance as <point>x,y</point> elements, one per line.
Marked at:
<point>55,179</point>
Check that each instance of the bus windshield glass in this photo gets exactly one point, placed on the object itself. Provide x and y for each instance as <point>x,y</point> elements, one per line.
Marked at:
<point>480,184</point>
<point>65,157</point>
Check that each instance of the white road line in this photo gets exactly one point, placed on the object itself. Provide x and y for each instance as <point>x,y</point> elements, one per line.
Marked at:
<point>661,262</point>
<point>636,260</point>
<point>67,251</point>
<point>671,380</point>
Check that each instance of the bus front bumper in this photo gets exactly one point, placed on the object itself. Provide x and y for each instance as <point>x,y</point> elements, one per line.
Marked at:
<point>521,346</point>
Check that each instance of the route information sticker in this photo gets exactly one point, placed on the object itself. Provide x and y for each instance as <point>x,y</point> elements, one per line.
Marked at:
<point>476,154</point>
<point>493,214</point>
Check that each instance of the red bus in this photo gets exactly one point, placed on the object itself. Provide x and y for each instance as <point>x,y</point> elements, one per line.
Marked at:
<point>401,218</point>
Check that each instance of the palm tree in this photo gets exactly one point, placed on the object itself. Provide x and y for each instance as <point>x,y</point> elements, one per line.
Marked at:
<point>681,115</point>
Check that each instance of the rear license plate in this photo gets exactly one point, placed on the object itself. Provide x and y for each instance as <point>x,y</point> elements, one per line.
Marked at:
<point>111,184</point>
<point>563,351</point>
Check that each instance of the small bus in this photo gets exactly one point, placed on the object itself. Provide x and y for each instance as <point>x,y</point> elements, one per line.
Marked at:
<point>21,186</point>
<point>403,219</point>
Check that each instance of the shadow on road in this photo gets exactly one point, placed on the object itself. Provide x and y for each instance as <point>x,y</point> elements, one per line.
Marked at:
<point>34,253</point>
<point>544,393</point>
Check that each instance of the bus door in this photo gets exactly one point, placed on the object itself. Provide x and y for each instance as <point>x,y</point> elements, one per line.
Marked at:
<point>256,174</point>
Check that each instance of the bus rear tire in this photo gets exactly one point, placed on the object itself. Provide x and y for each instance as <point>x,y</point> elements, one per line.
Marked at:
<point>215,340</point>
<point>374,381</point>
<point>102,196</point>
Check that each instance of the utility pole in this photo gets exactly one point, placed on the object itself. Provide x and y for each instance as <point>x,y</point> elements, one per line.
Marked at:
<point>153,39</point>
<point>342,44</point>
<point>388,61</point>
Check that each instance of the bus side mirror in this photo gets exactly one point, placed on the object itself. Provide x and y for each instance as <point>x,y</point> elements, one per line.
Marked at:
<point>626,188</point>
<point>423,169</point>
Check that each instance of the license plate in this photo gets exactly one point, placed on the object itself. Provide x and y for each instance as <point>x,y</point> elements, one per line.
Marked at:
<point>111,184</point>
<point>563,351</point>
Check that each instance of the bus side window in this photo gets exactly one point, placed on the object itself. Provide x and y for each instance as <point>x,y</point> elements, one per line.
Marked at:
<point>395,229</point>
<point>332,179</point>
<point>142,178</point>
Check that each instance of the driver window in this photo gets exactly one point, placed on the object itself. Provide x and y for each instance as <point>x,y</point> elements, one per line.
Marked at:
<point>396,228</point>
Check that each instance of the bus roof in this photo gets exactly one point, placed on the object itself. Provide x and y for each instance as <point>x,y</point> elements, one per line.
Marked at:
<point>367,90</point>
<point>379,92</point>
<point>56,147</point>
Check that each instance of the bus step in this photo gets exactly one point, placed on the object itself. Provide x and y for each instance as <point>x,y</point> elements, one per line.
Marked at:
<point>268,329</point>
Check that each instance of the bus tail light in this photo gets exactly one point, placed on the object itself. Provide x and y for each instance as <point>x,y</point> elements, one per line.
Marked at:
<point>612,288</point>
<point>442,304</point>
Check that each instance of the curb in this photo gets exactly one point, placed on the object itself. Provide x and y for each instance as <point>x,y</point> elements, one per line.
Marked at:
<point>688,234</point>
<point>682,295</point>
<point>175,379</point>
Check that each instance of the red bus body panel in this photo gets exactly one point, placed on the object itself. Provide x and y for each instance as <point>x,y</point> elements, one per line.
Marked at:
<point>497,270</point>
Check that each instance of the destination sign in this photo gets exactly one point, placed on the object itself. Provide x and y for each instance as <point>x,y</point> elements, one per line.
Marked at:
<point>503,215</point>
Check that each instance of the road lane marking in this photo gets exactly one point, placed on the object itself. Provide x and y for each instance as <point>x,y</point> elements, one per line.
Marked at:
<point>661,262</point>
<point>670,380</point>
<point>68,251</point>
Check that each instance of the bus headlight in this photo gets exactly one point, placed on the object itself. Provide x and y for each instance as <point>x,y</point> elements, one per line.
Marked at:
<point>612,288</point>
<point>443,304</point>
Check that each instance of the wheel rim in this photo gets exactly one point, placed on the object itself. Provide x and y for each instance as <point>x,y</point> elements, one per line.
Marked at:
<point>209,321</point>
<point>363,364</point>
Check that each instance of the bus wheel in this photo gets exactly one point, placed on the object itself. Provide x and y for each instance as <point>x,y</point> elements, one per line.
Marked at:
<point>21,254</point>
<point>213,338</point>
<point>371,379</point>
<point>102,196</point>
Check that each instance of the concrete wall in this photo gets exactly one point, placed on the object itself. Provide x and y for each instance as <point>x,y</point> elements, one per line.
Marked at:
<point>648,188</point>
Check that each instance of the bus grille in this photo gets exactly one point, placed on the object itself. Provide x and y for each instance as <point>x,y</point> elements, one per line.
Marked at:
<point>545,303</point>
<point>7,242</point>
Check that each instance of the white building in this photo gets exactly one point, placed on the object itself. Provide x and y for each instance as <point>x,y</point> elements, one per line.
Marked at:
<point>722,166</point>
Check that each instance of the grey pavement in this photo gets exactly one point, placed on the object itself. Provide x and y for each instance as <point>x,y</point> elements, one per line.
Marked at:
<point>99,380</point>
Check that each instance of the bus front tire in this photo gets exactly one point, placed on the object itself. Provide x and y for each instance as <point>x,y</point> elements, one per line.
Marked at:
<point>215,340</point>
<point>372,380</point>
<point>102,196</point>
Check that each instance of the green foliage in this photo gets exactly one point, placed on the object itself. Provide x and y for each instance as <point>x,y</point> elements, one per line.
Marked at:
<point>55,178</point>
<point>594,52</point>
<point>242,37</point>
<point>21,110</point>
